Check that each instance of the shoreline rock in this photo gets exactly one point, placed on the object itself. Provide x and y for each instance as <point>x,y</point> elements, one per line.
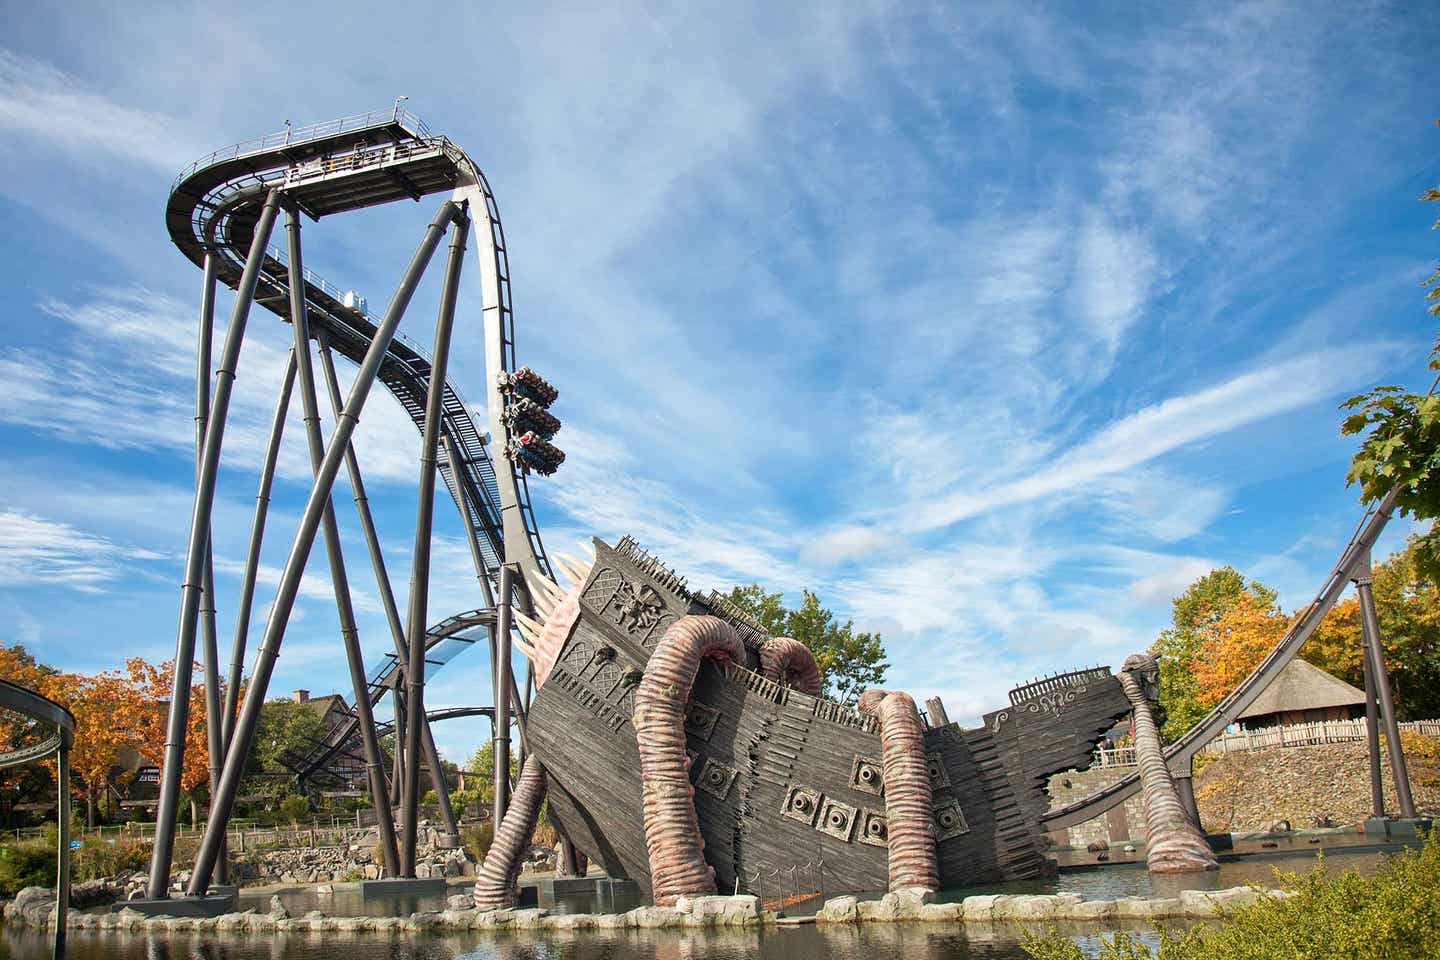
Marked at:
<point>34,906</point>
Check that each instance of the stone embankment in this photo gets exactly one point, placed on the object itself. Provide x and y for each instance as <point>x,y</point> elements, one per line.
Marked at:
<point>35,907</point>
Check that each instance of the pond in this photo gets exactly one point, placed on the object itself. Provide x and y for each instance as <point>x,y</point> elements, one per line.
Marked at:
<point>811,942</point>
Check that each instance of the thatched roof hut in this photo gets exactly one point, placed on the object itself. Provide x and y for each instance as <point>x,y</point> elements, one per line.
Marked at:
<point>1303,693</point>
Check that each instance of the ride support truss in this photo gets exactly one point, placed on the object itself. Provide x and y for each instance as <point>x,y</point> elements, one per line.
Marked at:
<point>222,213</point>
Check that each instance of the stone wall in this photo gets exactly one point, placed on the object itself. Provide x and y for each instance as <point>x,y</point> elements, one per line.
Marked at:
<point>1308,786</point>
<point>1120,825</point>
<point>1247,791</point>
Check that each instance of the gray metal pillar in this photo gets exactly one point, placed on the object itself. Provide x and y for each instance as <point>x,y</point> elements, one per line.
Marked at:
<point>1380,678</point>
<point>252,553</point>
<point>500,672</point>
<point>214,738</point>
<point>1372,733</point>
<point>179,714</point>
<point>397,773</point>
<point>289,586</point>
<point>387,602</point>
<point>349,632</point>
<point>437,777</point>
<point>1185,786</point>
<point>424,523</point>
<point>62,851</point>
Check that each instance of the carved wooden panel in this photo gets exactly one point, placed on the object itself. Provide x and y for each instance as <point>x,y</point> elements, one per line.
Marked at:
<point>866,775</point>
<point>802,803</point>
<point>874,828</point>
<point>949,821</point>
<point>716,778</point>
<point>700,719</point>
<point>636,608</point>
<point>935,767</point>
<point>837,819</point>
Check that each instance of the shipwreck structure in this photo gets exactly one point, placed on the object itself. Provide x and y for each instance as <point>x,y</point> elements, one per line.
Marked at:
<point>672,727</point>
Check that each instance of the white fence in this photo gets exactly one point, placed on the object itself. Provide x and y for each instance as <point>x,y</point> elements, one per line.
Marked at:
<point>1308,735</point>
<point>1293,735</point>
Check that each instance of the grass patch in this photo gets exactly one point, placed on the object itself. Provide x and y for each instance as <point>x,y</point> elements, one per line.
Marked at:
<point>1392,915</point>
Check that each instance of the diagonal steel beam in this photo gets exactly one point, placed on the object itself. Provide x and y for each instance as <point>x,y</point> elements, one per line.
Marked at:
<point>349,632</point>
<point>179,714</point>
<point>417,732</point>
<point>289,587</point>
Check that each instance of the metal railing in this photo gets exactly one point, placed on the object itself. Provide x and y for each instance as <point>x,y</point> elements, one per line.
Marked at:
<point>298,135</point>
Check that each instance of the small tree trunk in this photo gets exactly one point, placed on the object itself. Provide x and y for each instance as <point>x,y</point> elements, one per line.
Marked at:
<point>194,814</point>
<point>90,807</point>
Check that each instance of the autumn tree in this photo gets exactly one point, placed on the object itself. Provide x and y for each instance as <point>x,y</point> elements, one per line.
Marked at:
<point>1194,612</point>
<point>849,661</point>
<point>143,720</point>
<point>94,700</point>
<point>1407,605</point>
<point>1231,644</point>
<point>26,782</point>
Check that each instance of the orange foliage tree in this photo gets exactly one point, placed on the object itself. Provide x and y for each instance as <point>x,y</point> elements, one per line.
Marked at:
<point>1233,644</point>
<point>22,782</point>
<point>144,721</point>
<point>94,700</point>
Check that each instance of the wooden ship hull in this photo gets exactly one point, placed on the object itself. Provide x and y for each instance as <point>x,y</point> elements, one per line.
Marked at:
<point>786,783</point>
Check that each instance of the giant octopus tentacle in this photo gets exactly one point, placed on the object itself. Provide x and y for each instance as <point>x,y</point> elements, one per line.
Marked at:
<point>1172,843</point>
<point>790,662</point>
<point>672,829</point>
<point>495,886</point>
<point>908,797</point>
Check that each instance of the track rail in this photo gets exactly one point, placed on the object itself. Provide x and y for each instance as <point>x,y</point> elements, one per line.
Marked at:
<point>1180,753</point>
<point>447,633</point>
<point>344,165</point>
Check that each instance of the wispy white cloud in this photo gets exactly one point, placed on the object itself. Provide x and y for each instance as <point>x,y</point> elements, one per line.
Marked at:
<point>1164,427</point>
<point>40,103</point>
<point>35,551</point>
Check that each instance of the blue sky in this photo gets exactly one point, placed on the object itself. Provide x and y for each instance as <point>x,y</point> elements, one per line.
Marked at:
<point>995,325</point>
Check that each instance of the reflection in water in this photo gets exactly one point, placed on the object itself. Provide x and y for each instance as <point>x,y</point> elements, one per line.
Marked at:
<point>834,942</point>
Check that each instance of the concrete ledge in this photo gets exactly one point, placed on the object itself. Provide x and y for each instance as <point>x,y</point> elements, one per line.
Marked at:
<point>392,886</point>
<point>213,905</point>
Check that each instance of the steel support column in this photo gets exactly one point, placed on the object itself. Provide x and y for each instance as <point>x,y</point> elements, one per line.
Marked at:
<point>500,672</point>
<point>349,631</point>
<point>252,554</point>
<point>197,551</point>
<point>387,601</point>
<point>289,585</point>
<point>397,774</point>
<point>424,522</point>
<point>214,737</point>
<point>62,846</point>
<point>1380,678</point>
<point>1185,786</point>
<point>1372,732</point>
<point>470,496</point>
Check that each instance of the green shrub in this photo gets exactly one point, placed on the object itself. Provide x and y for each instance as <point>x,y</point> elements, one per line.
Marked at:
<point>31,863</point>
<point>294,807</point>
<point>102,857</point>
<point>26,863</point>
<point>478,839</point>
<point>1393,915</point>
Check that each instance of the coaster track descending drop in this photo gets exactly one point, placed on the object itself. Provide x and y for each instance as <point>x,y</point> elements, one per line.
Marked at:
<point>221,214</point>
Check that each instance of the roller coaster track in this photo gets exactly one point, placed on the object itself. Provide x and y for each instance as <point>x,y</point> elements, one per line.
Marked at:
<point>443,642</point>
<point>1180,753</point>
<point>348,164</point>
